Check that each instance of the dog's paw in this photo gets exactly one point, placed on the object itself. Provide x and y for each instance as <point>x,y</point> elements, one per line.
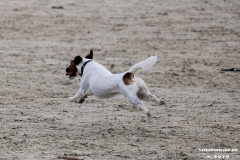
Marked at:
<point>71,99</point>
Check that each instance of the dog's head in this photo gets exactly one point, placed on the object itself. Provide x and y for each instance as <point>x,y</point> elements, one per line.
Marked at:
<point>72,70</point>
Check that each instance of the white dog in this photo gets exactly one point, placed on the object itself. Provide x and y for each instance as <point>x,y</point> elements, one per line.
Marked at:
<point>100,82</point>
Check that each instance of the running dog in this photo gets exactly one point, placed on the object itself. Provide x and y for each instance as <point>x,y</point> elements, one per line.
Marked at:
<point>100,82</point>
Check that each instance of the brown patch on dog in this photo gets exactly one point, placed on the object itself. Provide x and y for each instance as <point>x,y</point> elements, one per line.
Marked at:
<point>128,78</point>
<point>72,68</point>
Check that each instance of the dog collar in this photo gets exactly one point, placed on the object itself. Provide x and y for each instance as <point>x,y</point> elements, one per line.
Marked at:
<point>83,66</point>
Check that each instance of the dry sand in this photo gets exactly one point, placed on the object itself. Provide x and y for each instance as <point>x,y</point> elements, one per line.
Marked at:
<point>194,40</point>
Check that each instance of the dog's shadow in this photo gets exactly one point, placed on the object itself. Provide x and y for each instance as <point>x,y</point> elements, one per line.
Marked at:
<point>126,106</point>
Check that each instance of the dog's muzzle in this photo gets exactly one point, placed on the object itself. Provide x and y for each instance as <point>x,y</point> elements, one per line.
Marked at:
<point>70,73</point>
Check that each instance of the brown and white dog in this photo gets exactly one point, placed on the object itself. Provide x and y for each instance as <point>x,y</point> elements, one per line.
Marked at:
<point>100,82</point>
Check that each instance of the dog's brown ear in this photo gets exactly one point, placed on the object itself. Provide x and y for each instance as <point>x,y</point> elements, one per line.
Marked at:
<point>77,60</point>
<point>90,56</point>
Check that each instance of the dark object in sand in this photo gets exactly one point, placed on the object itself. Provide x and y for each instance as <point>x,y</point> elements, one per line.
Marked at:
<point>232,70</point>
<point>68,158</point>
<point>57,7</point>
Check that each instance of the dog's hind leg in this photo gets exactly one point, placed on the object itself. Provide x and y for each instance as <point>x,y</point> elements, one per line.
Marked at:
<point>145,95</point>
<point>135,101</point>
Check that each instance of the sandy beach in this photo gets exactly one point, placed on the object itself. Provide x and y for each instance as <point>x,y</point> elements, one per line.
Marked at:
<point>193,39</point>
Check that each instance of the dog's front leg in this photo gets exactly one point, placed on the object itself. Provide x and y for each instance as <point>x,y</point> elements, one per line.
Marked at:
<point>77,96</point>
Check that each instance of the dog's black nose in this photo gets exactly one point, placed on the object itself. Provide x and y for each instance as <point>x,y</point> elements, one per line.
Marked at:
<point>68,70</point>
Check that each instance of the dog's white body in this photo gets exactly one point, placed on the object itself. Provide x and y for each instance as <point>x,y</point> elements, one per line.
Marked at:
<point>100,82</point>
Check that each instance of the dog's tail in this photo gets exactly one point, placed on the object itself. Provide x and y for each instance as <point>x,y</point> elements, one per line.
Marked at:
<point>144,65</point>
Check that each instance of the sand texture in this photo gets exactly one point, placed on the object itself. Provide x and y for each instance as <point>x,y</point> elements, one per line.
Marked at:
<point>193,39</point>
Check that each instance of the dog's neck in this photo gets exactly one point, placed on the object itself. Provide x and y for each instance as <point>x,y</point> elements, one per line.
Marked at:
<point>83,66</point>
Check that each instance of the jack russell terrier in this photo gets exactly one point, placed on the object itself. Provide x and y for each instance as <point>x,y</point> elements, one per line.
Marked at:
<point>100,82</point>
